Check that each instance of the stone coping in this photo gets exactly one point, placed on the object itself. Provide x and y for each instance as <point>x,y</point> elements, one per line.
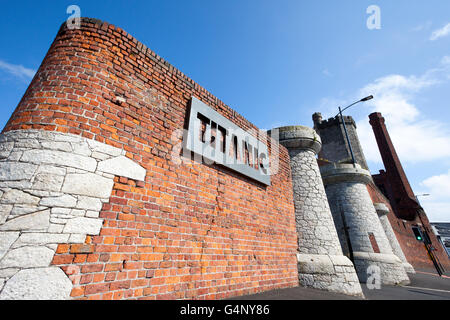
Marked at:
<point>321,263</point>
<point>376,257</point>
<point>344,172</point>
<point>408,267</point>
<point>300,137</point>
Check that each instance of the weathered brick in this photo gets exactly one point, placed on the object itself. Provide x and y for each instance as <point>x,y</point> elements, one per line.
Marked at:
<point>190,229</point>
<point>96,288</point>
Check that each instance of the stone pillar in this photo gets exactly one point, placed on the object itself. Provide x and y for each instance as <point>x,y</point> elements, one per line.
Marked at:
<point>321,263</point>
<point>362,233</point>
<point>382,211</point>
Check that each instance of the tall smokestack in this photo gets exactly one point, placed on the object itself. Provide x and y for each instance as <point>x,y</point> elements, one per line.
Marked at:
<point>405,203</point>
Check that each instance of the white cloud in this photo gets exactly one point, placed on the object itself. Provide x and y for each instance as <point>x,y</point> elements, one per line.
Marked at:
<point>17,70</point>
<point>445,60</point>
<point>439,33</point>
<point>415,138</point>
<point>327,73</point>
<point>436,211</point>
<point>439,185</point>
<point>329,106</point>
<point>437,205</point>
<point>423,26</point>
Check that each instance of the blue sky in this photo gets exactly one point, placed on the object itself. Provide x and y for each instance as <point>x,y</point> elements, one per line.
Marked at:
<point>277,62</point>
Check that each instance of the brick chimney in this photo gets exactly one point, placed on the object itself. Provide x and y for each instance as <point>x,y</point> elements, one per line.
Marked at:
<point>404,203</point>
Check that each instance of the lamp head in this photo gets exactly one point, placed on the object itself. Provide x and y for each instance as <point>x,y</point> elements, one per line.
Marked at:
<point>367,98</point>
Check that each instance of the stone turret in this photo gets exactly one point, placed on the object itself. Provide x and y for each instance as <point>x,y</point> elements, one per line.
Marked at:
<point>321,263</point>
<point>317,118</point>
<point>331,132</point>
<point>382,211</point>
<point>360,231</point>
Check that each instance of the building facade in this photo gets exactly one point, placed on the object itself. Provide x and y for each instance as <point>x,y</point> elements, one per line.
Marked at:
<point>122,178</point>
<point>98,200</point>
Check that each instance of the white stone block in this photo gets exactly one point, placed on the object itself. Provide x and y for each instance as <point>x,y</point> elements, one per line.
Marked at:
<point>37,284</point>
<point>6,240</point>
<point>77,238</point>
<point>15,155</point>
<point>27,143</point>
<point>47,181</point>
<point>57,145</point>
<point>8,273</point>
<point>27,257</point>
<point>83,225</point>
<point>88,184</point>
<point>65,201</point>
<point>52,246</point>
<point>81,148</point>
<point>58,171</point>
<point>59,158</point>
<point>92,214</point>
<point>341,261</point>
<point>124,167</point>
<point>314,264</point>
<point>15,196</point>
<point>100,156</point>
<point>55,228</point>
<point>5,149</point>
<point>43,193</point>
<point>21,185</point>
<point>40,239</point>
<point>89,203</point>
<point>61,212</point>
<point>62,221</point>
<point>66,137</point>
<point>5,210</point>
<point>32,221</point>
<point>78,212</point>
<point>104,148</point>
<point>20,210</point>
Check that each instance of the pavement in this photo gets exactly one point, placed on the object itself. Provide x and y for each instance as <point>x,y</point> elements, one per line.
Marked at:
<point>424,285</point>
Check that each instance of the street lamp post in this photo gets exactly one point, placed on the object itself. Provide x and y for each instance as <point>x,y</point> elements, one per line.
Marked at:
<point>345,128</point>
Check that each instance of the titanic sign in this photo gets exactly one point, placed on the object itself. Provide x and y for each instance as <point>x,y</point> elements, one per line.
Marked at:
<point>220,141</point>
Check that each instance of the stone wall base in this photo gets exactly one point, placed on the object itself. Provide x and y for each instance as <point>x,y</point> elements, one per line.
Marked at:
<point>390,266</point>
<point>328,272</point>
<point>408,267</point>
<point>52,188</point>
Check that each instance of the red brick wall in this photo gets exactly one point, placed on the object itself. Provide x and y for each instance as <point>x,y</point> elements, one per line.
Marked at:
<point>189,231</point>
<point>414,251</point>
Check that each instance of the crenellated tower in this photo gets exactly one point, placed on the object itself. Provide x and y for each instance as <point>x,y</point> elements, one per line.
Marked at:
<point>332,133</point>
<point>360,230</point>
